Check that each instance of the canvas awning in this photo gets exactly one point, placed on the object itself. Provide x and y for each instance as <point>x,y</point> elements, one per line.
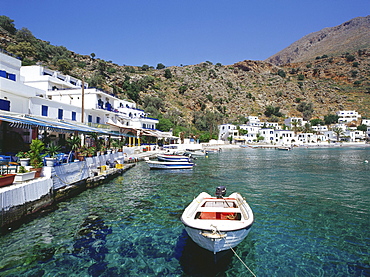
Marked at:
<point>28,122</point>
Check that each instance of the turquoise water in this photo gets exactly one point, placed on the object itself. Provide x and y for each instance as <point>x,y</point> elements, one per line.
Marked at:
<point>311,207</point>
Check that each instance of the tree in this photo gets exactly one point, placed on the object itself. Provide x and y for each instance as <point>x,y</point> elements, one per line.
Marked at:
<point>167,74</point>
<point>307,128</point>
<point>362,127</point>
<point>316,121</point>
<point>92,55</point>
<point>164,124</point>
<point>182,89</point>
<point>338,132</point>
<point>23,49</point>
<point>145,67</point>
<point>270,110</point>
<point>160,66</point>
<point>25,35</point>
<point>281,73</point>
<point>296,125</point>
<point>331,119</point>
<point>7,24</point>
<point>306,109</point>
<point>64,66</point>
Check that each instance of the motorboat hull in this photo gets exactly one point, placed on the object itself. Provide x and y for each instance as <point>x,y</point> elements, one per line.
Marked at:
<point>169,165</point>
<point>218,223</point>
<point>195,152</point>
<point>221,242</point>
<point>173,158</point>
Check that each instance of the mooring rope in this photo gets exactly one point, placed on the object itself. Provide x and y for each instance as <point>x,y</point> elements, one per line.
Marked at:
<point>243,263</point>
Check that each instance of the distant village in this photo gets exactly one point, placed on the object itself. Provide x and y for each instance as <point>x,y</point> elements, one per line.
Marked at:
<point>271,133</point>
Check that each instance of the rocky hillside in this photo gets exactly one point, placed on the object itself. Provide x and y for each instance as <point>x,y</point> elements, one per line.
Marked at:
<point>196,98</point>
<point>348,37</point>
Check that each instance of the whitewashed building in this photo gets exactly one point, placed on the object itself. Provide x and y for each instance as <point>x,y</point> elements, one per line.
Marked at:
<point>348,116</point>
<point>366,122</point>
<point>307,137</point>
<point>36,98</point>
<point>99,107</point>
<point>268,134</point>
<point>320,128</point>
<point>227,130</point>
<point>289,122</point>
<point>284,137</point>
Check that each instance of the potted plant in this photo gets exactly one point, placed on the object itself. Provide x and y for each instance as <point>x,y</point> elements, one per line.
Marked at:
<point>82,153</point>
<point>90,151</point>
<point>52,151</point>
<point>24,158</point>
<point>24,175</point>
<point>75,143</point>
<point>6,179</point>
<point>36,158</point>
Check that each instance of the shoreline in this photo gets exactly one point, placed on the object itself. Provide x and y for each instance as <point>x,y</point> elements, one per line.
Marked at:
<point>306,145</point>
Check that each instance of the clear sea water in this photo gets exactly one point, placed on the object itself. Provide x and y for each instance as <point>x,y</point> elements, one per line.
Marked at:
<point>311,207</point>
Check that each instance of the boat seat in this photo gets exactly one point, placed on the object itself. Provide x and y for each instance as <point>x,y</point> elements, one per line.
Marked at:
<point>218,216</point>
<point>219,204</point>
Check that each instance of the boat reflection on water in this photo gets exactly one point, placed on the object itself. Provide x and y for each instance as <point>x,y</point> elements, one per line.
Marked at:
<point>197,261</point>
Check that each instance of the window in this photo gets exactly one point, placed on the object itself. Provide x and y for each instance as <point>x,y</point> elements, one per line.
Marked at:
<point>44,110</point>
<point>74,116</point>
<point>89,118</point>
<point>4,105</point>
<point>98,119</point>
<point>60,114</point>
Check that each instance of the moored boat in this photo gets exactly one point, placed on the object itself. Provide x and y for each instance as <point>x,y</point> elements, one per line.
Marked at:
<point>173,158</point>
<point>284,148</point>
<point>218,223</point>
<point>169,165</point>
<point>195,152</point>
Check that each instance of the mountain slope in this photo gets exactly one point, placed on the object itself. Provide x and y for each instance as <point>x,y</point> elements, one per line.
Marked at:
<point>347,37</point>
<point>196,98</point>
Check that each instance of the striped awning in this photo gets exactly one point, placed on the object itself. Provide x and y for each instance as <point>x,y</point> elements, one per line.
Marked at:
<point>28,122</point>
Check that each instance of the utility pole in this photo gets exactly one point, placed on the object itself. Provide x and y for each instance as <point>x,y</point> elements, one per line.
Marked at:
<point>83,99</point>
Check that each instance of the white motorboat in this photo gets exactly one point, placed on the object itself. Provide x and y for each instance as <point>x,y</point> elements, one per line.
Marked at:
<point>169,165</point>
<point>173,158</point>
<point>284,148</point>
<point>195,152</point>
<point>218,223</point>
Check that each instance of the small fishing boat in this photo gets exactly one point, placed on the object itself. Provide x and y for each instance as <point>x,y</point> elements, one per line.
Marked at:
<point>169,165</point>
<point>218,223</point>
<point>173,158</point>
<point>284,148</point>
<point>195,152</point>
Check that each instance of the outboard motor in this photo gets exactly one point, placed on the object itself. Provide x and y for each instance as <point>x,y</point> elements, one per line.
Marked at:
<point>220,191</point>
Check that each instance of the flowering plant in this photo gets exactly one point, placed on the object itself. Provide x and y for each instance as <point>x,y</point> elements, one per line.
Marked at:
<point>22,155</point>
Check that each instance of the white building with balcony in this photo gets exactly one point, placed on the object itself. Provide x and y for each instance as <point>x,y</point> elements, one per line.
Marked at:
<point>99,107</point>
<point>227,130</point>
<point>320,128</point>
<point>35,98</point>
<point>348,116</point>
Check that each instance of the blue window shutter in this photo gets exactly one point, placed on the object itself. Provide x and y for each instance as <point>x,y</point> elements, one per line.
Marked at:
<point>60,114</point>
<point>44,110</point>
<point>4,105</point>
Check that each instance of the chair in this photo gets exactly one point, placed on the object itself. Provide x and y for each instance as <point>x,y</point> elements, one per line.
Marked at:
<point>12,166</point>
<point>7,167</point>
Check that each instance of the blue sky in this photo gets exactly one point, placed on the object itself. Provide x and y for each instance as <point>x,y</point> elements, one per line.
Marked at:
<point>179,32</point>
